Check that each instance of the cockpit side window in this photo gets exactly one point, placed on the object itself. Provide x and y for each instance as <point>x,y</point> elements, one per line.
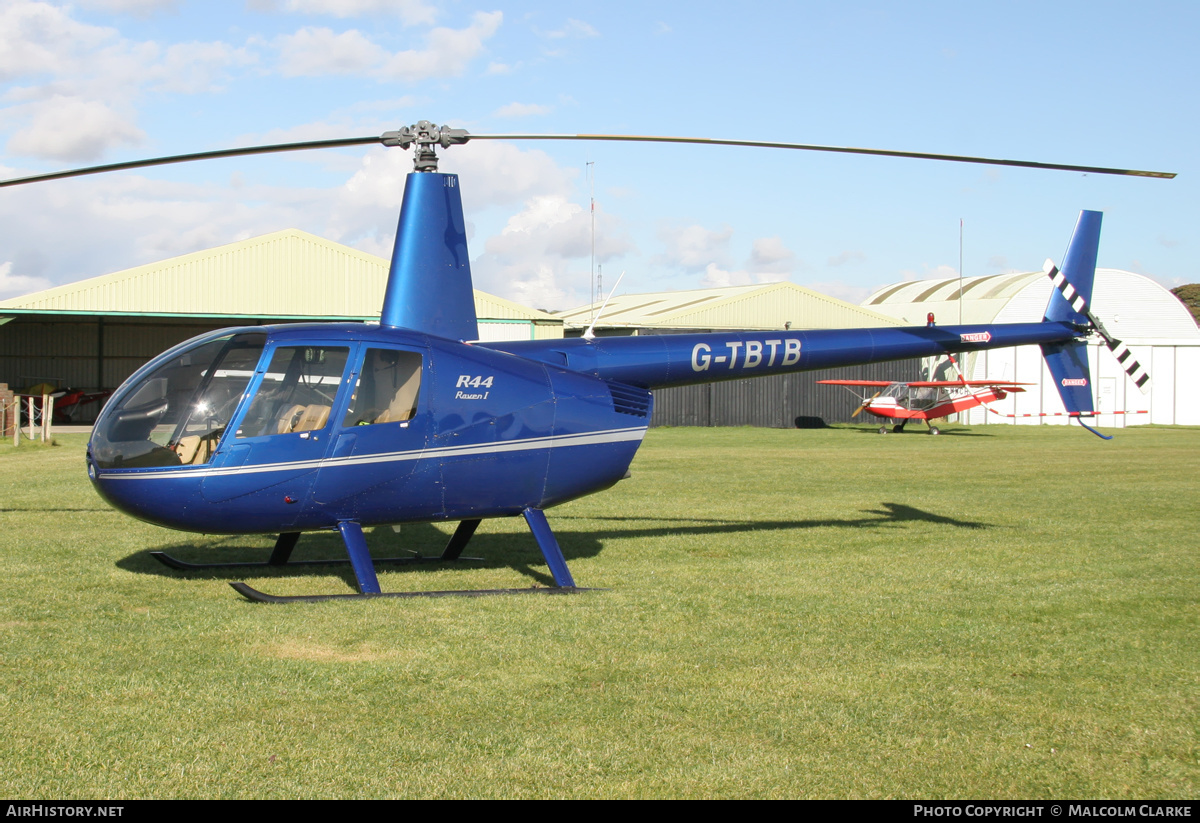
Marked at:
<point>297,391</point>
<point>388,386</point>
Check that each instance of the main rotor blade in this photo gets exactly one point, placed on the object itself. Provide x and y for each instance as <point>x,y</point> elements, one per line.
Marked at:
<point>201,155</point>
<point>459,136</point>
<point>633,138</point>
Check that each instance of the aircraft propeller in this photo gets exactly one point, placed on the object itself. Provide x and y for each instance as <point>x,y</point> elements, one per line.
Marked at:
<point>865,403</point>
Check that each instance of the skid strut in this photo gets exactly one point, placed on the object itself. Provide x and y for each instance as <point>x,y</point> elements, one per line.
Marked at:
<point>367,582</point>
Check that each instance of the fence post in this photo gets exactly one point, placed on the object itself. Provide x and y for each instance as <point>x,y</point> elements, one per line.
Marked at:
<point>47,415</point>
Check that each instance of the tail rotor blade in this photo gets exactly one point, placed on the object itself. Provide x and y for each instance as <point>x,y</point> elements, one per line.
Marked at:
<point>1129,363</point>
<point>1132,367</point>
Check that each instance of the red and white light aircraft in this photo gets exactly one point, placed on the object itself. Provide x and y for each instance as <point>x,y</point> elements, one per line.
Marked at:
<point>925,399</point>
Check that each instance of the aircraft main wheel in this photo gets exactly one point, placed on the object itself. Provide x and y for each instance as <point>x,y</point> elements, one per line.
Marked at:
<point>934,430</point>
<point>883,429</point>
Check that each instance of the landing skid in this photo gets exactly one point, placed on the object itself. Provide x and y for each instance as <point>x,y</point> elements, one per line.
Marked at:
<point>183,565</point>
<point>261,597</point>
<point>367,582</point>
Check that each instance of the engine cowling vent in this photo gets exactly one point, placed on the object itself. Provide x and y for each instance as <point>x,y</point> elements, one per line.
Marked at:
<point>630,399</point>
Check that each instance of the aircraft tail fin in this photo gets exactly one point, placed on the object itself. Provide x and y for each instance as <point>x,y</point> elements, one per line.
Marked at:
<point>1073,292</point>
<point>1068,362</point>
<point>1070,303</point>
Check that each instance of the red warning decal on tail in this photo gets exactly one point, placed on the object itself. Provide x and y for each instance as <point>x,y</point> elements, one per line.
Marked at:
<point>1074,381</point>
<point>976,337</point>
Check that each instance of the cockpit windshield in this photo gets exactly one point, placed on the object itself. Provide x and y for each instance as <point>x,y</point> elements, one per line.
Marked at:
<point>176,413</point>
<point>917,398</point>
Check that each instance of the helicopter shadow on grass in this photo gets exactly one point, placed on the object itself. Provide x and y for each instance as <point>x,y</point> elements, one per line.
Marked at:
<point>516,551</point>
<point>891,514</point>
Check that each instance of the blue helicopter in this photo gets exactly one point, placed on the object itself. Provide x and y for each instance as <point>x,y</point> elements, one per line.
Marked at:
<point>298,428</point>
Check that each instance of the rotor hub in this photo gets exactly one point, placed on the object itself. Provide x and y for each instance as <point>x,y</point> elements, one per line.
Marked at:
<point>424,137</point>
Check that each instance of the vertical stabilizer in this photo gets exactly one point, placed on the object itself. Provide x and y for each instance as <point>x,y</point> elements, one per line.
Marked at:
<point>1068,361</point>
<point>429,285</point>
<point>1079,268</point>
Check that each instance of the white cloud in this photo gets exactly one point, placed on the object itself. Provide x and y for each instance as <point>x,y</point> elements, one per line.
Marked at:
<point>15,285</point>
<point>716,277</point>
<point>312,52</point>
<point>118,221</point>
<point>542,257</point>
<point>694,248</point>
<point>363,212</point>
<point>80,82</point>
<point>37,39</point>
<point>770,258</point>
<point>448,51</point>
<point>410,12</point>
<point>139,8</point>
<point>522,110</point>
<point>193,68</point>
<point>698,250</point>
<point>501,174</point>
<point>316,51</point>
<point>72,58</point>
<point>72,129</point>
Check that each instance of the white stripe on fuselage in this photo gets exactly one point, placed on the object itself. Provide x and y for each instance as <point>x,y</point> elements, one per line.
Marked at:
<point>553,442</point>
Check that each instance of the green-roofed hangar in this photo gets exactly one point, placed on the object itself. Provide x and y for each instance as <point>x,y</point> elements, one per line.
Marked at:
<point>96,332</point>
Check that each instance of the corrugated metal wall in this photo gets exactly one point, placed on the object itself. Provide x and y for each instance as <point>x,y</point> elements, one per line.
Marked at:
<point>69,353</point>
<point>782,401</point>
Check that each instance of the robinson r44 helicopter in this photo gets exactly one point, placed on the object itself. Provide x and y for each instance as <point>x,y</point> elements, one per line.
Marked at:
<point>288,429</point>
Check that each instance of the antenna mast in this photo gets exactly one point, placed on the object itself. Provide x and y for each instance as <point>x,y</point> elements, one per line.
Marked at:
<point>591,174</point>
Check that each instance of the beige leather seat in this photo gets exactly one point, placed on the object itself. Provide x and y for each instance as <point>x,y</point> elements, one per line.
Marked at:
<point>300,418</point>
<point>403,404</point>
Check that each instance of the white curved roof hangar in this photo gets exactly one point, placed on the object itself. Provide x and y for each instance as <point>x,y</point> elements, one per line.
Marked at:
<point>1156,326</point>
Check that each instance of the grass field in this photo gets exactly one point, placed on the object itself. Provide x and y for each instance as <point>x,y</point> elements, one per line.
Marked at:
<point>996,612</point>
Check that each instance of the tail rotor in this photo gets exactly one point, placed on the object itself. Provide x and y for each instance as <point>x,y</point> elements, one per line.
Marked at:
<point>1137,373</point>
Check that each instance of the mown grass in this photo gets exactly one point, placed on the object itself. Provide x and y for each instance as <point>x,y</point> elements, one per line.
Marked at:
<point>996,612</point>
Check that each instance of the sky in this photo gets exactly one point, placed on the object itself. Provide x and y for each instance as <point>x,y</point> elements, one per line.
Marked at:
<point>1091,83</point>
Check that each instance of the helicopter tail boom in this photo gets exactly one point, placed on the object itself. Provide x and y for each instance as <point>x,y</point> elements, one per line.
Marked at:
<point>662,361</point>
